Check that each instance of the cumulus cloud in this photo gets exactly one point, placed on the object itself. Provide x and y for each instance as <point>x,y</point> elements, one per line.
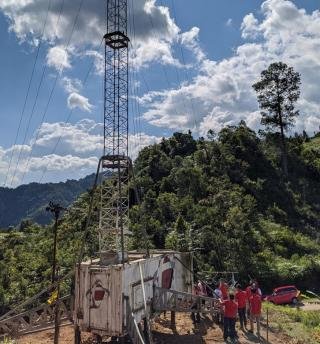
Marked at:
<point>76,100</point>
<point>58,58</point>
<point>71,85</point>
<point>222,91</point>
<point>191,40</point>
<point>250,26</point>
<point>98,61</point>
<point>150,25</point>
<point>80,146</point>
<point>139,141</point>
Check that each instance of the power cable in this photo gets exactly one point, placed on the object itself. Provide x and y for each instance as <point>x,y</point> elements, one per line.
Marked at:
<point>57,77</point>
<point>69,116</point>
<point>28,91</point>
<point>186,69</point>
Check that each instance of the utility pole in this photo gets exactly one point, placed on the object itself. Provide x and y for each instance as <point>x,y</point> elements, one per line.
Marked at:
<point>55,209</point>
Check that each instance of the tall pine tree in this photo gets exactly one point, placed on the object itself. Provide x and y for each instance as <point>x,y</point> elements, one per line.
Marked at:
<point>278,90</point>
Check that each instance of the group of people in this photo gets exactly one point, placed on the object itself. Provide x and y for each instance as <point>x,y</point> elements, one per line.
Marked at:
<point>235,302</point>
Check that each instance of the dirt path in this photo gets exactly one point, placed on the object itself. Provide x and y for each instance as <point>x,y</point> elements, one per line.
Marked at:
<point>46,337</point>
<point>204,333</point>
<point>310,306</point>
<point>185,333</point>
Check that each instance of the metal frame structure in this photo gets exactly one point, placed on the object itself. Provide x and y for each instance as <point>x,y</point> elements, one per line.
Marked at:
<point>114,209</point>
<point>37,319</point>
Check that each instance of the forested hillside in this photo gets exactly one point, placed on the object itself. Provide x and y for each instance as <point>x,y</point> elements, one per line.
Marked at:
<point>29,201</point>
<point>230,192</point>
<point>225,197</point>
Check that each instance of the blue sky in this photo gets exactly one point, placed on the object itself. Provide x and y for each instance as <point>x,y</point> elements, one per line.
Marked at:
<point>224,44</point>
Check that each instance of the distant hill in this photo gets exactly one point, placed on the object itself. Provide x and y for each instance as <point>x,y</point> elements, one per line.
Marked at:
<point>29,201</point>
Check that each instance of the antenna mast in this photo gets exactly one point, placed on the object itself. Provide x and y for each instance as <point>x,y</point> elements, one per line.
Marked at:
<point>115,162</point>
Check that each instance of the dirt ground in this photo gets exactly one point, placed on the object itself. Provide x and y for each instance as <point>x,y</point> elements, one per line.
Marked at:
<point>311,306</point>
<point>204,333</point>
<point>184,333</point>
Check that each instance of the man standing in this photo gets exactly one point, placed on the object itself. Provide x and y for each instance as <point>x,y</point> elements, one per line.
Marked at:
<point>229,320</point>
<point>241,298</point>
<point>255,310</point>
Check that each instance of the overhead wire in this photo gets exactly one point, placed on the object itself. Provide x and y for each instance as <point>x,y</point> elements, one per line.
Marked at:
<point>185,65</point>
<point>57,77</point>
<point>133,84</point>
<point>153,31</point>
<point>69,116</point>
<point>28,90</point>
<point>45,67</point>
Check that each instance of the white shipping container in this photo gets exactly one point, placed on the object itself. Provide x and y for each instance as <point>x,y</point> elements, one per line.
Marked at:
<point>102,292</point>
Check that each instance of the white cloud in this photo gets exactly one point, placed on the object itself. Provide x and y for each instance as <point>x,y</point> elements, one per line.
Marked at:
<point>67,163</point>
<point>152,27</point>
<point>71,85</point>
<point>139,141</point>
<point>58,58</point>
<point>152,50</point>
<point>76,100</point>
<point>80,146</point>
<point>98,60</point>
<point>250,26</point>
<point>222,91</point>
<point>191,40</point>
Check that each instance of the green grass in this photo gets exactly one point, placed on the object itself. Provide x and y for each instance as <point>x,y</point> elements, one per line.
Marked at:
<point>8,341</point>
<point>303,326</point>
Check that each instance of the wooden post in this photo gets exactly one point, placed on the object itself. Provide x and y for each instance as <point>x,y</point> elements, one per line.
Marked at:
<point>57,316</point>
<point>77,335</point>
<point>173,319</point>
<point>145,305</point>
<point>267,325</point>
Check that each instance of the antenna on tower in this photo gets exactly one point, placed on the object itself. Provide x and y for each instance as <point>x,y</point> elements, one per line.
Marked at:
<point>114,207</point>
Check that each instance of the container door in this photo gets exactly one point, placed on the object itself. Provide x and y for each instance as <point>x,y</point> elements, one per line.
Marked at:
<point>105,299</point>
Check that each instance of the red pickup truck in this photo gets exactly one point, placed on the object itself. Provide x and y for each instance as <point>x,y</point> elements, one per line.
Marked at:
<point>282,295</point>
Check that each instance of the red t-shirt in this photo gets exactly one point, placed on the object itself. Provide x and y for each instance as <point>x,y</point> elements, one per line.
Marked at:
<point>241,298</point>
<point>230,308</point>
<point>255,304</point>
<point>248,291</point>
<point>224,290</point>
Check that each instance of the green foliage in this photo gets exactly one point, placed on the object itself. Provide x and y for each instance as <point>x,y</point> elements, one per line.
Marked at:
<point>302,325</point>
<point>179,238</point>
<point>223,197</point>
<point>278,91</point>
<point>241,213</point>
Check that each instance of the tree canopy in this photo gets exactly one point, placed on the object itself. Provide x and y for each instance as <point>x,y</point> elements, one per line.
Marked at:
<point>278,90</point>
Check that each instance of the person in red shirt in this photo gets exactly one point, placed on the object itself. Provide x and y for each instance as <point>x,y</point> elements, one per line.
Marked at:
<point>255,310</point>
<point>224,289</point>
<point>229,320</point>
<point>241,298</point>
<point>248,291</point>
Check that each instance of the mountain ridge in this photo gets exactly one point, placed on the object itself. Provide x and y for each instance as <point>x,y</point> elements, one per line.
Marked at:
<point>28,201</point>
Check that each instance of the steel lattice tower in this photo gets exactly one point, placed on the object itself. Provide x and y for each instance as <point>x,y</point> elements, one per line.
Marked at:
<point>115,162</point>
